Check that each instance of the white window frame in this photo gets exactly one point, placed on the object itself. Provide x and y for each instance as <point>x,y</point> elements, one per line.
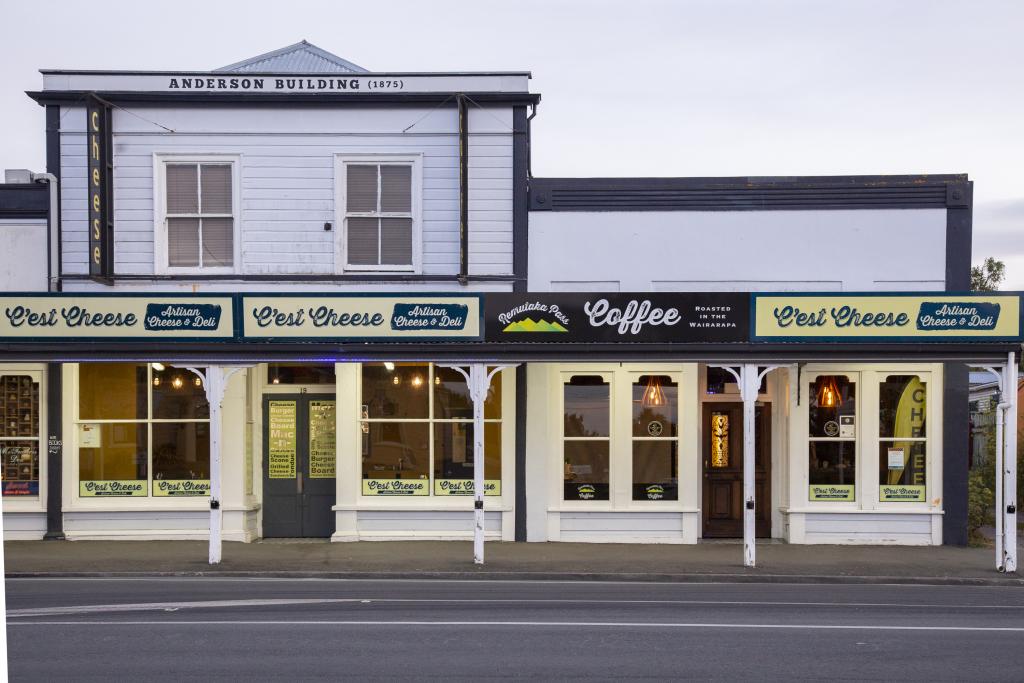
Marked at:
<point>160,256</point>
<point>341,213</point>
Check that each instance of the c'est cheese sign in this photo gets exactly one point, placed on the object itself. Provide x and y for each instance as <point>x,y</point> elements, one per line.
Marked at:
<point>100,167</point>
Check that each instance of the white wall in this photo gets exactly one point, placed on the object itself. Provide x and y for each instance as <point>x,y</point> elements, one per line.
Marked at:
<point>830,250</point>
<point>287,180</point>
<point>23,255</point>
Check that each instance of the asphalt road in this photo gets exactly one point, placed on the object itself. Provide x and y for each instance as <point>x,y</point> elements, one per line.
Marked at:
<point>255,629</point>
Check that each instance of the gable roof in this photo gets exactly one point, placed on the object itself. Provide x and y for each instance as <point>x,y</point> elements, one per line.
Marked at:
<point>302,57</point>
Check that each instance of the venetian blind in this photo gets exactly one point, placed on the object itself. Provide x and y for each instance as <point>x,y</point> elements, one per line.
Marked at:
<point>200,224</point>
<point>379,210</point>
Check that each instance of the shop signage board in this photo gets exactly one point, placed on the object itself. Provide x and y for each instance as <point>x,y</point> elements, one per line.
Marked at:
<point>98,317</point>
<point>396,487</point>
<point>909,493</point>
<point>282,440</point>
<point>888,317</point>
<point>832,492</point>
<point>368,316</point>
<point>464,487</point>
<point>113,488</point>
<point>684,318</point>
<point>100,166</point>
<point>181,488</point>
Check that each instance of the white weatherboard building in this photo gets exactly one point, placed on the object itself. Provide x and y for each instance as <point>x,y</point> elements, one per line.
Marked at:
<point>339,238</point>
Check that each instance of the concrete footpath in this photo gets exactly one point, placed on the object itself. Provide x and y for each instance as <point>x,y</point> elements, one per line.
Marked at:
<point>715,562</point>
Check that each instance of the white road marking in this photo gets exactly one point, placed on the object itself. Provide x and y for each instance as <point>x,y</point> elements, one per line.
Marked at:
<point>532,624</point>
<point>274,602</point>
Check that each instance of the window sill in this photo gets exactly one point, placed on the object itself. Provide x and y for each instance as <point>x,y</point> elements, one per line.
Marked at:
<point>836,508</point>
<point>671,506</point>
<point>393,506</point>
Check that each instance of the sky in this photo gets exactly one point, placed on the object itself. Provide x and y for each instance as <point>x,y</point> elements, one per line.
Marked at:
<point>635,88</point>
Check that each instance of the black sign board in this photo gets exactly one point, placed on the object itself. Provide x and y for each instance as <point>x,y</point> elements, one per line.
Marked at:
<point>101,181</point>
<point>673,318</point>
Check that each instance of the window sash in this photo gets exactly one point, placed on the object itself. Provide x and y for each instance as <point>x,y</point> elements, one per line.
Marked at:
<point>381,216</point>
<point>201,257</point>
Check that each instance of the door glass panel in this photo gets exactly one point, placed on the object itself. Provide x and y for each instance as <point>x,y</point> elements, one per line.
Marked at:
<point>719,430</point>
<point>322,441</point>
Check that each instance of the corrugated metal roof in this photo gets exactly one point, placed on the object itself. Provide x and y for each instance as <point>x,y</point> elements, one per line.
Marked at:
<point>300,58</point>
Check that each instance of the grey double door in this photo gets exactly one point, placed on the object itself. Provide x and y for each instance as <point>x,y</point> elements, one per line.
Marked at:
<point>299,465</point>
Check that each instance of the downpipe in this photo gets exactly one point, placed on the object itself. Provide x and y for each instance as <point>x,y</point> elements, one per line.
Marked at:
<point>52,238</point>
<point>1000,447</point>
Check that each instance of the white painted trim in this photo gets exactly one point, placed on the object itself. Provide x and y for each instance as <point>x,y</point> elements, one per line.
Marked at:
<point>160,161</point>
<point>341,264</point>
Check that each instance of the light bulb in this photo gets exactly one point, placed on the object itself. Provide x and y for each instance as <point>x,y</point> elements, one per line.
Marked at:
<point>159,367</point>
<point>417,381</point>
<point>198,382</point>
<point>177,383</point>
<point>395,380</point>
<point>389,366</point>
<point>156,380</point>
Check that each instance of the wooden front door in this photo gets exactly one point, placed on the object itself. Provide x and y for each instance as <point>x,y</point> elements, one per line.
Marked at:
<point>722,503</point>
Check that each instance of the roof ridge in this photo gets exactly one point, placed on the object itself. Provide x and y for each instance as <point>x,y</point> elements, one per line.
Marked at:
<point>290,59</point>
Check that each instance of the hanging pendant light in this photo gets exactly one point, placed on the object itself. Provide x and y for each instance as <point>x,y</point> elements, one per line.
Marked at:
<point>828,393</point>
<point>654,395</point>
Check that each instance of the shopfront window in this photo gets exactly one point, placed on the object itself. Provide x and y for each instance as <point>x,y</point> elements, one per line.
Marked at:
<point>300,373</point>
<point>903,443</point>
<point>832,430</point>
<point>19,434</point>
<point>655,438</point>
<point>417,432</point>
<point>143,430</point>
<point>587,418</point>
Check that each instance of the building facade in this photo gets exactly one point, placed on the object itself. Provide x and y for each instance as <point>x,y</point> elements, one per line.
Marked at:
<point>342,237</point>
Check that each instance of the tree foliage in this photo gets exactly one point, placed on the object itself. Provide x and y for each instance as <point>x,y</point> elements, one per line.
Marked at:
<point>988,276</point>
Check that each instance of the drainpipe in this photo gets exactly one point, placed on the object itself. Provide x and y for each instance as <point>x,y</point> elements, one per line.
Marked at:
<point>52,238</point>
<point>1000,408</point>
<point>463,188</point>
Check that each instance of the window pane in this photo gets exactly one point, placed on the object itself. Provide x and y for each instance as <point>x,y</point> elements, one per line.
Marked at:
<point>218,242</point>
<point>110,453</point>
<point>362,241</point>
<point>655,464</point>
<point>112,391</point>
<point>396,450</point>
<point>396,241</point>
<point>182,188</point>
<point>19,406</point>
<point>399,392</point>
<point>181,450</point>
<point>361,188</point>
<point>178,395</point>
<point>396,189</point>
<point>216,188</point>
<point>833,405</point>
<point>451,396</point>
<point>903,408</point>
<point>721,381</point>
<point>19,461</point>
<point>902,470</point>
<point>586,406</point>
<point>655,406</point>
<point>301,373</point>
<point>183,242</point>
<point>453,458</point>
<point>832,469</point>
<point>586,470</point>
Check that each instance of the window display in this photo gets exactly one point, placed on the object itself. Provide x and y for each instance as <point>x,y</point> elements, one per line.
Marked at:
<point>417,432</point>
<point>19,434</point>
<point>586,417</point>
<point>655,444</point>
<point>832,447</point>
<point>143,430</point>
<point>902,448</point>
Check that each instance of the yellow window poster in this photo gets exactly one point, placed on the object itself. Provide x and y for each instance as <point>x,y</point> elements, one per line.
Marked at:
<point>113,488</point>
<point>464,487</point>
<point>181,488</point>
<point>913,493</point>
<point>322,441</point>
<point>281,446</point>
<point>395,487</point>
<point>840,492</point>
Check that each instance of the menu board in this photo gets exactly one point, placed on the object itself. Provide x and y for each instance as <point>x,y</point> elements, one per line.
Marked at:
<point>322,441</point>
<point>281,444</point>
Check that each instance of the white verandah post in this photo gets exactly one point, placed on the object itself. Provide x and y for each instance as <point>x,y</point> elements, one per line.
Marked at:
<point>215,382</point>
<point>748,378</point>
<point>1009,509</point>
<point>478,379</point>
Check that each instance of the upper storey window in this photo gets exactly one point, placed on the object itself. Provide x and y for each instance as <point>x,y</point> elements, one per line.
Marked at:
<point>380,200</point>
<point>199,222</point>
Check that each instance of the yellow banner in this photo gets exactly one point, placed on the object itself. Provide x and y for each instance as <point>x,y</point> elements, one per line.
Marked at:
<point>346,317</point>
<point>395,487</point>
<point>322,441</point>
<point>843,316</point>
<point>113,488</point>
<point>464,487</point>
<point>913,493</point>
<point>843,492</point>
<point>151,318</point>
<point>281,447</point>
<point>182,488</point>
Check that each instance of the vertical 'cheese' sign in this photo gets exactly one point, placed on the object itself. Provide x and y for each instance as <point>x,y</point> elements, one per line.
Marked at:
<point>101,231</point>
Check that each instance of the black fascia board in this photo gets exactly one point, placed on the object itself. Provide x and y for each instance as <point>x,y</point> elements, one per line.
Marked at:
<point>748,193</point>
<point>24,200</point>
<point>74,97</point>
